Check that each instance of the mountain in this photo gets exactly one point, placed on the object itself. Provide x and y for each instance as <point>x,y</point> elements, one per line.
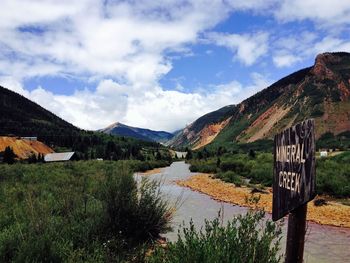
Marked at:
<point>203,130</point>
<point>137,133</point>
<point>321,92</point>
<point>22,117</point>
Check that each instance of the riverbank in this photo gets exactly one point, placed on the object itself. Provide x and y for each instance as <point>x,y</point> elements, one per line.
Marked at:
<point>150,172</point>
<point>333,213</point>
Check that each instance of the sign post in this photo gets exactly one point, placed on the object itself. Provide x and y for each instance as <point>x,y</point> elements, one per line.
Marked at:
<point>294,182</point>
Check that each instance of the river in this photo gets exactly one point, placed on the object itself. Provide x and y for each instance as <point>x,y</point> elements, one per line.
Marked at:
<point>322,243</point>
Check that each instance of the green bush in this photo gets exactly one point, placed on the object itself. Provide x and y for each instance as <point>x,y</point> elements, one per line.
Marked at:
<point>262,173</point>
<point>119,200</point>
<point>203,166</point>
<point>230,177</point>
<point>333,176</point>
<point>237,166</point>
<point>153,213</point>
<point>247,238</point>
<point>138,214</point>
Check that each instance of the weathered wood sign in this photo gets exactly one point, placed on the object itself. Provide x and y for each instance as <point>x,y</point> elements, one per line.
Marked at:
<point>294,168</point>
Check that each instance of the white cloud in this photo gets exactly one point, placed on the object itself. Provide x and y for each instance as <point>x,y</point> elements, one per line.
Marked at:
<point>285,60</point>
<point>167,109</point>
<point>256,5</point>
<point>247,48</point>
<point>331,44</point>
<point>84,108</point>
<point>14,85</point>
<point>296,48</point>
<point>325,12</point>
<point>120,46</point>
<point>124,40</point>
<point>155,109</point>
<point>123,49</point>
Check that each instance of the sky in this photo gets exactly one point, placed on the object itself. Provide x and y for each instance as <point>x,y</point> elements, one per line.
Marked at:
<point>159,64</point>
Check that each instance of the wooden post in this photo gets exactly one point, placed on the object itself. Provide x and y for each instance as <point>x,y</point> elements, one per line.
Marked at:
<point>296,235</point>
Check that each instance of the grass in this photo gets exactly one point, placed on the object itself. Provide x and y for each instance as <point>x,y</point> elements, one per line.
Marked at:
<point>86,211</point>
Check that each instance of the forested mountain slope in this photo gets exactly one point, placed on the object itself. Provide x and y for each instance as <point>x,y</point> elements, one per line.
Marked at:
<point>321,92</point>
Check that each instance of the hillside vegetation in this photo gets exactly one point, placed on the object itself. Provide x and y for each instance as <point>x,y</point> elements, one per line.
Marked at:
<point>22,117</point>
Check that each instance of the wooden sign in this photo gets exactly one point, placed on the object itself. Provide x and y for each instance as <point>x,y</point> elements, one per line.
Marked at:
<point>294,168</point>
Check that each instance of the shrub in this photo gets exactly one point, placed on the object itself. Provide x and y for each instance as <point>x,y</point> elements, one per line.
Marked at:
<point>138,214</point>
<point>153,213</point>
<point>333,176</point>
<point>119,199</point>
<point>203,166</point>
<point>231,177</point>
<point>237,166</point>
<point>247,238</point>
<point>262,173</point>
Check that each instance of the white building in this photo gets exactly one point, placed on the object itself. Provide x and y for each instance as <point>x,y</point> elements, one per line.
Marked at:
<point>59,157</point>
<point>323,153</point>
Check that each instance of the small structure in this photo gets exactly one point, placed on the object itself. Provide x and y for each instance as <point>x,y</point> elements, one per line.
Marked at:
<point>180,154</point>
<point>323,154</point>
<point>60,157</point>
<point>30,138</point>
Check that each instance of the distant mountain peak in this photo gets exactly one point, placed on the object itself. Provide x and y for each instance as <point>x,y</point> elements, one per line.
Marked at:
<point>114,125</point>
<point>121,129</point>
<point>324,62</point>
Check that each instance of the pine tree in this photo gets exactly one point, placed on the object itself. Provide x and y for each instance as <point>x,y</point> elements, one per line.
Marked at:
<point>32,158</point>
<point>158,156</point>
<point>9,155</point>
<point>218,162</point>
<point>200,155</point>
<point>189,154</point>
<point>251,154</point>
<point>42,158</point>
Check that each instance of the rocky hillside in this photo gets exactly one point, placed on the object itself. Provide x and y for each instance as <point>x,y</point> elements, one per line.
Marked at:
<point>137,133</point>
<point>203,130</point>
<point>321,92</point>
<point>24,148</point>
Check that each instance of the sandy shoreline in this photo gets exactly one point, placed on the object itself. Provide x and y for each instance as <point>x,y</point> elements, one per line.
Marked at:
<point>150,172</point>
<point>333,213</point>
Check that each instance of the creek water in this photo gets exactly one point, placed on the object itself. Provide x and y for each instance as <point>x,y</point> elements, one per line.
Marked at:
<point>322,243</point>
